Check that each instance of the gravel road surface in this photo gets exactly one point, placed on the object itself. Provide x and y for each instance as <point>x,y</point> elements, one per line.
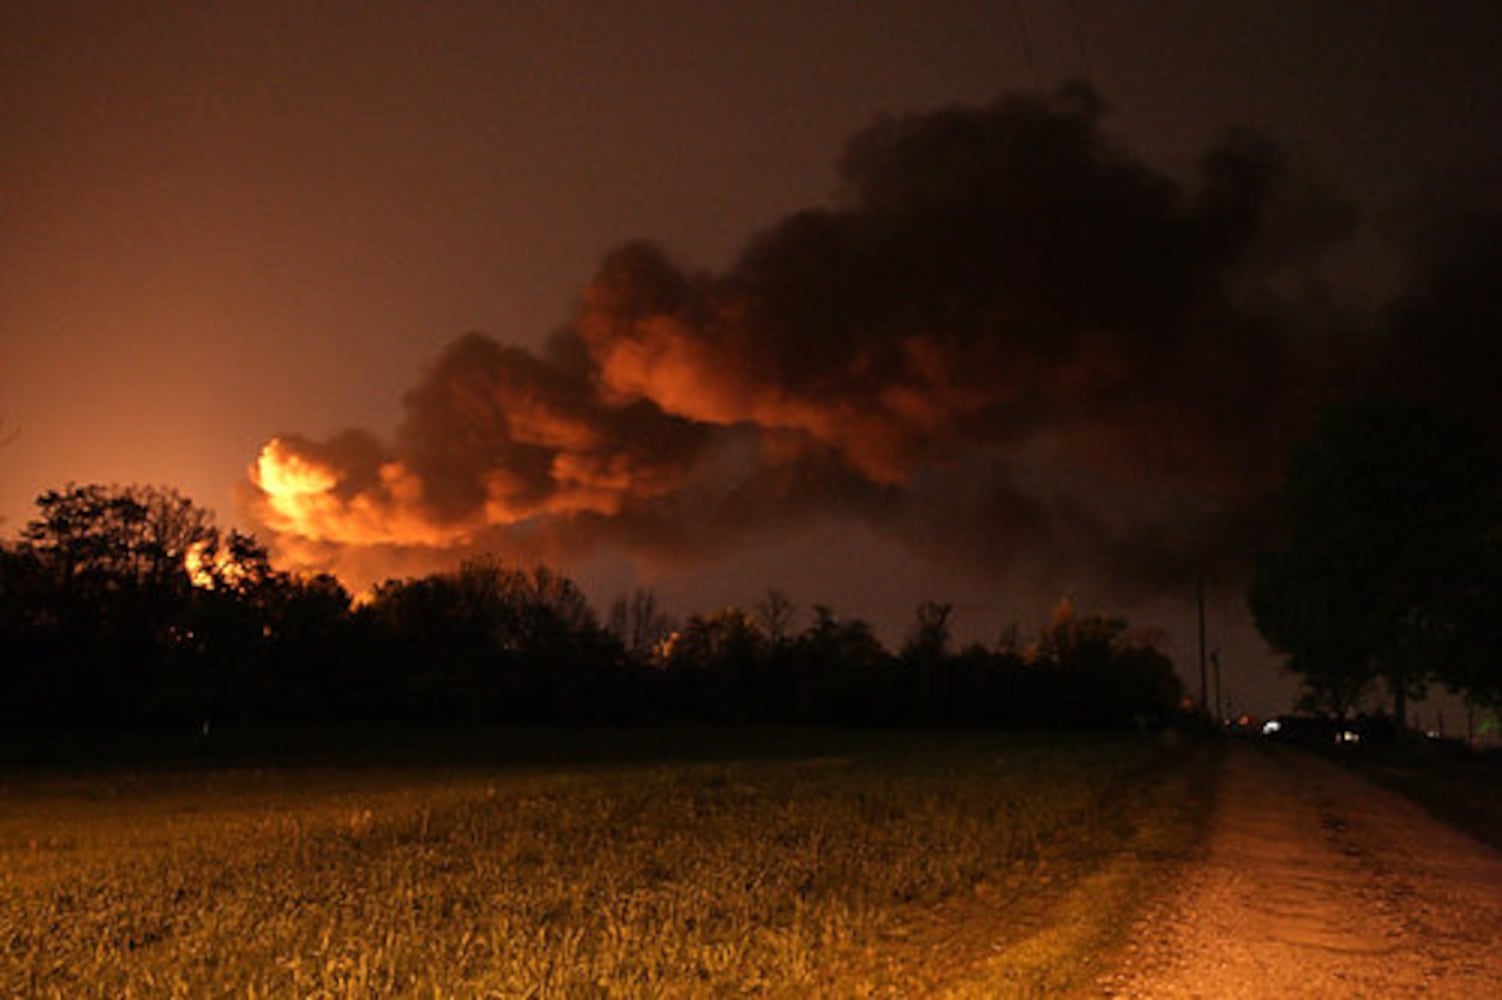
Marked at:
<point>1317,883</point>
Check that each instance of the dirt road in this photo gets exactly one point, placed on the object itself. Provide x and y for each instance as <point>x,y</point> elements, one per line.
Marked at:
<point>1317,883</point>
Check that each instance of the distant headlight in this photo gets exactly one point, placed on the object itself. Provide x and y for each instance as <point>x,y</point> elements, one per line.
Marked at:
<point>1271,726</point>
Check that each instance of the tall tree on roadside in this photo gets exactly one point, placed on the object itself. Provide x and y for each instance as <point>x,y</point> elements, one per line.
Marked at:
<point>1474,667</point>
<point>1391,518</point>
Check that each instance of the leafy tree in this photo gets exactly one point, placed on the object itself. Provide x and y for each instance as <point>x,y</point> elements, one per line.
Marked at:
<point>311,660</point>
<point>774,613</point>
<point>493,640</point>
<point>839,672</point>
<point>1104,672</point>
<point>640,624</point>
<point>726,636</point>
<point>116,607</point>
<point>928,641</point>
<point>925,652</point>
<point>116,536</point>
<point>546,612</point>
<point>849,641</point>
<point>1391,519</point>
<point>1474,663</point>
<point>24,621</point>
<point>1335,681</point>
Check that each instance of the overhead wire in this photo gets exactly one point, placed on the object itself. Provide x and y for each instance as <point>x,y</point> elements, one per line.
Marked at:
<point>1027,43</point>
<point>1079,38</point>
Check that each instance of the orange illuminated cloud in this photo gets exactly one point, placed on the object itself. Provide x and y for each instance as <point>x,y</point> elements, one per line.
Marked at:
<point>690,373</point>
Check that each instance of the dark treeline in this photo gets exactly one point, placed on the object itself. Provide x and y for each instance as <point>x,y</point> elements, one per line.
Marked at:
<point>126,607</point>
<point>1387,577</point>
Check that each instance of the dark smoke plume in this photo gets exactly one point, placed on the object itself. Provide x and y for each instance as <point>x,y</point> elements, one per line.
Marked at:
<point>1008,342</point>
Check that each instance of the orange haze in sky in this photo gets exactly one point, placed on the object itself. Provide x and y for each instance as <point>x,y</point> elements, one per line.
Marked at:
<point>234,233</point>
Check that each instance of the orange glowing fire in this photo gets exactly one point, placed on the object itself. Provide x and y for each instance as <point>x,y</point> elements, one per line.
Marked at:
<point>311,500</point>
<point>285,475</point>
<point>200,566</point>
<point>303,498</point>
<point>208,567</point>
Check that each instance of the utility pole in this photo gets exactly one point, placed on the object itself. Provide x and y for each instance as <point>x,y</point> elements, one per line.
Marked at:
<point>1204,682</point>
<point>1220,709</point>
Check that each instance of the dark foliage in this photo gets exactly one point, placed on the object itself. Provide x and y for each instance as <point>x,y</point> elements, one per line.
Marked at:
<point>1389,569</point>
<point>126,607</point>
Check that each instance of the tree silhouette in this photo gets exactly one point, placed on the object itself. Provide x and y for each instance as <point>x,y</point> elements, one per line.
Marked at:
<point>114,625</point>
<point>1391,516</point>
<point>925,650</point>
<point>832,672</point>
<point>125,606</point>
<point>1104,672</point>
<point>849,641</point>
<point>1473,665</point>
<point>774,613</point>
<point>493,641</point>
<point>640,624</point>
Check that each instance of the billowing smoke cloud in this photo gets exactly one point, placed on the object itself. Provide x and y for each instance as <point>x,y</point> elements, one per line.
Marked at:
<point>1009,343</point>
<point>1447,329</point>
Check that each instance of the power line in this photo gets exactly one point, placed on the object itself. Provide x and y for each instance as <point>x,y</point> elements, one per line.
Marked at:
<point>1079,38</point>
<point>1027,43</point>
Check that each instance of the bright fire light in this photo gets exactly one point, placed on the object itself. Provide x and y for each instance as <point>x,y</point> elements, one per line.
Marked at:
<point>198,567</point>
<point>303,498</point>
<point>208,566</point>
<point>285,475</point>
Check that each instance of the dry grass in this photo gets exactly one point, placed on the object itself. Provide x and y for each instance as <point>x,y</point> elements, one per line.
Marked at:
<point>892,864</point>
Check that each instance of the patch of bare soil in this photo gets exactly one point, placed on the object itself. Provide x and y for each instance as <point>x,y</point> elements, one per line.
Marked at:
<point>1317,883</point>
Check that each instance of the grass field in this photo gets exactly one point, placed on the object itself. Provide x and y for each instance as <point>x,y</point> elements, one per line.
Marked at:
<point>834,864</point>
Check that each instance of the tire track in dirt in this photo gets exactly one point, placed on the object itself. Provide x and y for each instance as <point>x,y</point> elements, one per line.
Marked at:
<point>1317,883</point>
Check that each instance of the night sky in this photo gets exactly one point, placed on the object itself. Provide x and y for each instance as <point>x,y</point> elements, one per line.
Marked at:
<point>864,301</point>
